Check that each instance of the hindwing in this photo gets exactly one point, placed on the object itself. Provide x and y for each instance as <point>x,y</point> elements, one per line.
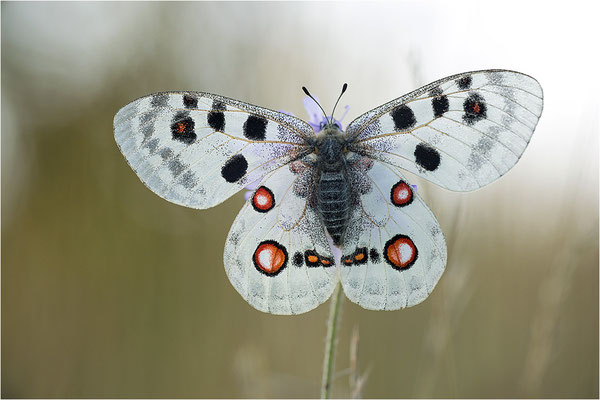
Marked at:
<point>394,249</point>
<point>277,255</point>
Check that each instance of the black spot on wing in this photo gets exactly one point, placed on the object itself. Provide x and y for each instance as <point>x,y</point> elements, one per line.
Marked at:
<point>298,259</point>
<point>347,260</point>
<point>255,127</point>
<point>403,117</point>
<point>360,256</point>
<point>465,82</point>
<point>326,262</point>
<point>374,254</point>
<point>439,102</point>
<point>427,157</point>
<point>190,101</point>
<point>216,117</point>
<point>311,258</point>
<point>235,168</point>
<point>182,128</point>
<point>475,109</point>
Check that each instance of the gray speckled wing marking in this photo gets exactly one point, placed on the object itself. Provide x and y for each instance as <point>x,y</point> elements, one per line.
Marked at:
<point>197,149</point>
<point>394,249</point>
<point>461,132</point>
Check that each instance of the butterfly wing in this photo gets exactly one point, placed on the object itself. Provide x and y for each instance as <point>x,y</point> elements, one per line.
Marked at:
<point>277,255</point>
<point>394,249</point>
<point>461,132</point>
<point>197,149</point>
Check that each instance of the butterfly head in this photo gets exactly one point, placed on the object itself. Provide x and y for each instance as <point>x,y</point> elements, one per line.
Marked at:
<point>328,125</point>
<point>322,122</point>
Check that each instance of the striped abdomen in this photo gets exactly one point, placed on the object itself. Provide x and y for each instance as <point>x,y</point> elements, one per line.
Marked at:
<point>333,202</point>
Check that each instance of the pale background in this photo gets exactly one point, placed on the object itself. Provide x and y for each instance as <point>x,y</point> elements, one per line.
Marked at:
<point>110,291</point>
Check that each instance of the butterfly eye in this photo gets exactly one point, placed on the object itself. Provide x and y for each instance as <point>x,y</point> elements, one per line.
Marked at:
<point>322,125</point>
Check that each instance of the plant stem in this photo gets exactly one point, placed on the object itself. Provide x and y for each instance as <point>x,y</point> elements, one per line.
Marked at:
<point>331,341</point>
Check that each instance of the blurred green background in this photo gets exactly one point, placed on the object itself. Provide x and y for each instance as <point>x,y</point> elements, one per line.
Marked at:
<point>110,291</point>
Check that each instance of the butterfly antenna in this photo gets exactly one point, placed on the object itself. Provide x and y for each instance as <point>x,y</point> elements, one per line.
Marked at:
<point>309,95</point>
<point>338,100</point>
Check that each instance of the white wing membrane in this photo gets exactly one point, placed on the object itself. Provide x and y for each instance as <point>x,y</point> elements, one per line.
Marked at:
<point>461,132</point>
<point>393,261</point>
<point>197,149</point>
<point>278,258</point>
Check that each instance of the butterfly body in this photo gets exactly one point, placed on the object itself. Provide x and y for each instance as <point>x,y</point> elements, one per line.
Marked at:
<point>332,192</point>
<point>198,149</point>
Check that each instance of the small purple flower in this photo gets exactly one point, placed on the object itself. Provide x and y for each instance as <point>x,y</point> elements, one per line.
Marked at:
<point>317,120</point>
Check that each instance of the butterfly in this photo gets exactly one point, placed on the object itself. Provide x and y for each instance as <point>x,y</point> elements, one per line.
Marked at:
<point>315,188</point>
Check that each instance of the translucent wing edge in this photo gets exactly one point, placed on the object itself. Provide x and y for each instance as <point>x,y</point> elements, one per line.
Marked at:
<point>355,127</point>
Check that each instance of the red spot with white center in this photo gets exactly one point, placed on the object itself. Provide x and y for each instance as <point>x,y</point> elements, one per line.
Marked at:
<point>270,257</point>
<point>401,194</point>
<point>263,199</point>
<point>400,252</point>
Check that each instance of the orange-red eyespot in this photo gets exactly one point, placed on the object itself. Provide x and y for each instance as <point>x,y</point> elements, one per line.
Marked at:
<point>180,127</point>
<point>347,261</point>
<point>298,259</point>
<point>263,199</point>
<point>326,261</point>
<point>400,252</point>
<point>270,257</point>
<point>401,194</point>
<point>311,258</point>
<point>475,109</point>
<point>360,256</point>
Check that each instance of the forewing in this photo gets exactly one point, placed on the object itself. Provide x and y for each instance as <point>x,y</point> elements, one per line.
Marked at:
<point>277,255</point>
<point>394,250</point>
<point>197,149</point>
<point>461,132</point>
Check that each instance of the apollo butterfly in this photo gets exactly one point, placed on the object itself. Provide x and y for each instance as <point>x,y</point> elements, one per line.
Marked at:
<point>322,188</point>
